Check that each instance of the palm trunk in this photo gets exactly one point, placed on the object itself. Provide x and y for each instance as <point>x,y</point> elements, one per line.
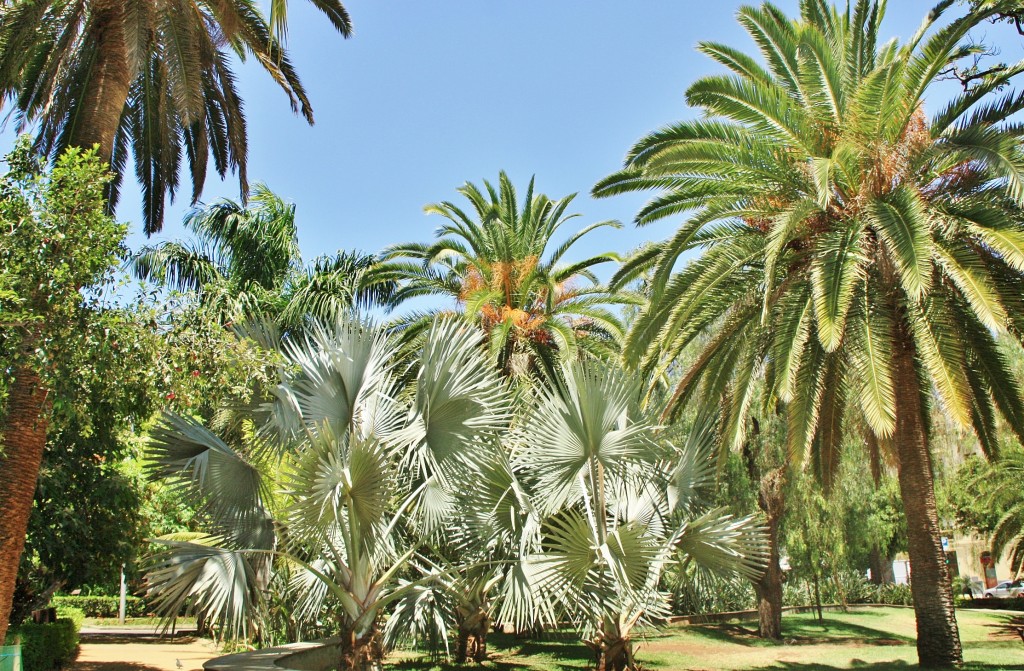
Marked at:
<point>105,96</point>
<point>768,588</point>
<point>27,415</point>
<point>879,562</point>
<point>881,567</point>
<point>24,439</point>
<point>938,640</point>
<point>363,653</point>
<point>612,653</point>
<point>473,638</point>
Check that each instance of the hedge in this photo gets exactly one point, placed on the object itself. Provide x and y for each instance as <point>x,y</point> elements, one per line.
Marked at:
<point>45,647</point>
<point>101,606</point>
<point>1012,603</point>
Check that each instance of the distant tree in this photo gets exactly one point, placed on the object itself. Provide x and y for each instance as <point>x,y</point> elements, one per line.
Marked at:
<point>245,262</point>
<point>145,79</point>
<point>498,263</point>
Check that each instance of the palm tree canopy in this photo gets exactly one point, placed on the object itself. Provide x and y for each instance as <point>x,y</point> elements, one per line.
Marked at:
<point>838,219</point>
<point>499,262</point>
<point>246,258</point>
<point>353,455</point>
<point>149,80</point>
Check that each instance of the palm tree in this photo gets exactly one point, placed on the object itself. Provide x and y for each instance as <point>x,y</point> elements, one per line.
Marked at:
<point>578,521</point>
<point>1004,496</point>
<point>478,572</point>
<point>148,77</point>
<point>858,254</point>
<point>617,503</point>
<point>355,456</point>
<point>495,263</point>
<point>246,263</point>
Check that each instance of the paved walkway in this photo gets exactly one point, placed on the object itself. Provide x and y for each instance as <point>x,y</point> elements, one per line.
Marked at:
<point>142,651</point>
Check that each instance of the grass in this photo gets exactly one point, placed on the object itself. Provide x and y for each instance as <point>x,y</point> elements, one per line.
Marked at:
<point>879,639</point>
<point>183,622</point>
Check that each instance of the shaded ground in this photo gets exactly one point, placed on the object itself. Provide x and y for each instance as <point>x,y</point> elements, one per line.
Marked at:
<point>143,653</point>
<point>872,640</point>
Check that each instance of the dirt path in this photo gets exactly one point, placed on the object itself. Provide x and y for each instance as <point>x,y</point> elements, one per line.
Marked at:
<point>143,653</point>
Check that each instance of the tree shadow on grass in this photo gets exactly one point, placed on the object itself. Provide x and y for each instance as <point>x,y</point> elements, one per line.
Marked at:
<point>421,664</point>
<point>879,666</point>
<point>800,632</point>
<point>557,651</point>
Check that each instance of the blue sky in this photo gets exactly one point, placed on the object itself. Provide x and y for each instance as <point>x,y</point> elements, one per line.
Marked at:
<point>428,95</point>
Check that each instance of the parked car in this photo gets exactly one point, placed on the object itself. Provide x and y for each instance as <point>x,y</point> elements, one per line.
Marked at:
<point>1006,588</point>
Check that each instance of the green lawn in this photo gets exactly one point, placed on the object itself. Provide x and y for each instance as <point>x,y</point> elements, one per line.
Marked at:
<point>873,639</point>
<point>183,622</point>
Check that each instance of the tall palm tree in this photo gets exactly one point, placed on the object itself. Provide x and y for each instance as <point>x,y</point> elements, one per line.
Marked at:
<point>146,78</point>
<point>246,262</point>
<point>356,456</point>
<point>859,254</point>
<point>495,261</point>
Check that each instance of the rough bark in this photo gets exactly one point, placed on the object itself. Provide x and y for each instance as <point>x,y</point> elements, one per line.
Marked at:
<point>771,500</point>
<point>879,562</point>
<point>881,567</point>
<point>24,439</point>
<point>612,653</point>
<point>938,639</point>
<point>105,96</point>
<point>362,653</point>
<point>472,643</point>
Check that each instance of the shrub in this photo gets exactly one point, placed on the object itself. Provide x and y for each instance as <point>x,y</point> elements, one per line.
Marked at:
<point>74,614</point>
<point>894,595</point>
<point>1012,603</point>
<point>101,606</point>
<point>45,647</point>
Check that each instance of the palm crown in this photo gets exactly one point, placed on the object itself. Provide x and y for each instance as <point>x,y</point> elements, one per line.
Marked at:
<point>858,253</point>
<point>246,262</point>
<point>496,261</point>
<point>145,79</point>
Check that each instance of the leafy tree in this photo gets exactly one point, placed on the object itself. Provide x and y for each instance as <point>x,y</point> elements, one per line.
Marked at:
<point>495,261</point>
<point>57,240</point>
<point>85,520</point>
<point>859,254</point>
<point>245,264</point>
<point>150,79</point>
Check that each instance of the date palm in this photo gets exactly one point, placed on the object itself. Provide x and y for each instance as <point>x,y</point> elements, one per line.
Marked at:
<point>496,262</point>
<point>355,457</point>
<point>149,80</point>
<point>246,262</point>
<point>858,253</point>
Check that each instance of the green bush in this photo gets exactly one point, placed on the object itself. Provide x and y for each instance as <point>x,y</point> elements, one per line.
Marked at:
<point>894,595</point>
<point>45,647</point>
<point>101,606</point>
<point>989,603</point>
<point>74,614</point>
